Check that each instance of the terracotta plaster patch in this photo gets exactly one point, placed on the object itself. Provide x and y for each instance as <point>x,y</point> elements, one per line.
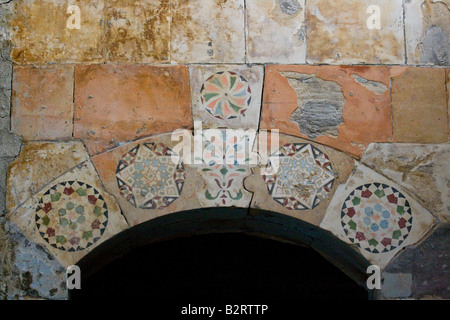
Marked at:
<point>366,115</point>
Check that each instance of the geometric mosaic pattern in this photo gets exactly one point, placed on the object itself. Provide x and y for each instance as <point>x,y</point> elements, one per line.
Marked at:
<point>148,178</point>
<point>376,217</point>
<point>226,95</point>
<point>71,216</point>
<point>305,177</point>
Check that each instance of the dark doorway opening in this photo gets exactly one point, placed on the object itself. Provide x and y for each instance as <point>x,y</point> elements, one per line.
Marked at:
<point>220,267</point>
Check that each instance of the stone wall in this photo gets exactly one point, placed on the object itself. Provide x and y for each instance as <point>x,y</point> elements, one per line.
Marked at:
<point>86,116</point>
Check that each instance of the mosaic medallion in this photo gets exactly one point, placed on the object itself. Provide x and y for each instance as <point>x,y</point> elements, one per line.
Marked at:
<point>304,179</point>
<point>376,217</point>
<point>71,216</point>
<point>226,95</point>
<point>148,178</point>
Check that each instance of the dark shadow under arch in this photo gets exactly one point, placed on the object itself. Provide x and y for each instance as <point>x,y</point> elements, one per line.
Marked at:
<point>240,223</point>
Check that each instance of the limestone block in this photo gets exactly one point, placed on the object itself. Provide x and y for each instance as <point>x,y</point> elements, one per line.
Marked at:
<point>28,271</point>
<point>40,34</point>
<point>276,31</point>
<point>338,32</point>
<point>120,103</point>
<point>421,169</point>
<point>205,31</point>
<point>42,102</point>
<point>419,105</point>
<point>138,31</point>
<point>428,31</point>
<point>40,163</point>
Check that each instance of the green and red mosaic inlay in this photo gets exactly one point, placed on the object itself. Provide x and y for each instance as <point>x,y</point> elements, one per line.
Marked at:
<point>71,216</point>
<point>376,217</point>
<point>226,95</point>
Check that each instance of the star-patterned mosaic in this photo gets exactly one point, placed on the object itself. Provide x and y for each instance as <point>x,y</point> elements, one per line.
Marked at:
<point>148,178</point>
<point>305,177</point>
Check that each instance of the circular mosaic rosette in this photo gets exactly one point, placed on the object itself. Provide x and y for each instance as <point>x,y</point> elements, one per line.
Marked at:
<point>305,177</point>
<point>71,216</point>
<point>376,217</point>
<point>226,95</point>
<point>148,178</point>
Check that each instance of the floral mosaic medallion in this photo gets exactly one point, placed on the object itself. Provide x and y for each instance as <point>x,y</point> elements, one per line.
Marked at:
<point>304,179</point>
<point>148,178</point>
<point>376,217</point>
<point>226,95</point>
<point>71,216</point>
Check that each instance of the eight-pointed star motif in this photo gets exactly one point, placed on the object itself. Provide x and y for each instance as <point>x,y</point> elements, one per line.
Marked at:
<point>305,177</point>
<point>148,178</point>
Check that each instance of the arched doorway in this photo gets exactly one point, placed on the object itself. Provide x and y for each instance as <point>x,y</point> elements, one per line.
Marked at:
<point>223,255</point>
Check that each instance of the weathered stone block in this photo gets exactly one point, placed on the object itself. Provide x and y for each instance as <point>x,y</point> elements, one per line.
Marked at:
<point>28,271</point>
<point>40,34</point>
<point>337,32</point>
<point>138,31</point>
<point>428,31</point>
<point>42,102</point>
<point>419,105</point>
<point>205,31</point>
<point>276,31</point>
<point>343,107</point>
<point>421,169</point>
<point>38,164</point>
<point>119,103</point>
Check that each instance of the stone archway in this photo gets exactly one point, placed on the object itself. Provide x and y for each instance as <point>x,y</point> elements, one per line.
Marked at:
<point>223,221</point>
<point>87,116</point>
